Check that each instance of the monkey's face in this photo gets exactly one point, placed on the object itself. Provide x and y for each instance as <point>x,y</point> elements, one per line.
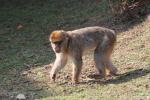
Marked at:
<point>58,41</point>
<point>57,46</point>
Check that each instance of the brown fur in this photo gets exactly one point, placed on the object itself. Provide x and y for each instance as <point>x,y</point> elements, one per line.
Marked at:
<point>56,36</point>
<point>75,42</point>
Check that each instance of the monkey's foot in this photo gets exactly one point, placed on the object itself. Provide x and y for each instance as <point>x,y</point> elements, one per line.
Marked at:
<point>108,77</point>
<point>95,76</point>
<point>114,74</point>
<point>73,83</point>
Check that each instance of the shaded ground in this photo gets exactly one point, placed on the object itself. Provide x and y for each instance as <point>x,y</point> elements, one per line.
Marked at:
<point>25,53</point>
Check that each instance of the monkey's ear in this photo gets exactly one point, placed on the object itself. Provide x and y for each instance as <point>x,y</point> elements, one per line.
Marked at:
<point>65,34</point>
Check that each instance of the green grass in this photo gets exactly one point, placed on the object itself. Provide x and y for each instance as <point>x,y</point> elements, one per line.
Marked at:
<point>25,52</point>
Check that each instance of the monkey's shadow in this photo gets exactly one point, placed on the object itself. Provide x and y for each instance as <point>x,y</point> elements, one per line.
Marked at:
<point>121,78</point>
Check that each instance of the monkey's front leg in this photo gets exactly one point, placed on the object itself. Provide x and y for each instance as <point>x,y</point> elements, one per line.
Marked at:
<point>60,62</point>
<point>76,69</point>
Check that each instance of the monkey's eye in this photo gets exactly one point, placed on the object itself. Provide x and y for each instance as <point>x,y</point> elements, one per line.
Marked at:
<point>58,42</point>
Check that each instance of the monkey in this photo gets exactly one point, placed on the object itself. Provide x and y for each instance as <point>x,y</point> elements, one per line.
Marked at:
<point>74,43</point>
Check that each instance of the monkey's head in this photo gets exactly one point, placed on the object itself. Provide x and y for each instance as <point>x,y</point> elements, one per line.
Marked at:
<point>59,41</point>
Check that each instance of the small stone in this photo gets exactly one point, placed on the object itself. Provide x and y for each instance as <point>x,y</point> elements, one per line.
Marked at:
<point>20,97</point>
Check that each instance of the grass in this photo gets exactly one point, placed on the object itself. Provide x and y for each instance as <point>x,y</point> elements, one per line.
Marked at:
<point>25,52</point>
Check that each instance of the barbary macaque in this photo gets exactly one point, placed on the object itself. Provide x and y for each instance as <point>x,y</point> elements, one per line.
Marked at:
<point>74,43</point>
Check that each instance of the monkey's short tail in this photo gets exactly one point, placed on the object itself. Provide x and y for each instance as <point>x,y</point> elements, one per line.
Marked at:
<point>114,35</point>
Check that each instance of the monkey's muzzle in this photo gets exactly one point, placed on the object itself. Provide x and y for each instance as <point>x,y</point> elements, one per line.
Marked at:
<point>57,50</point>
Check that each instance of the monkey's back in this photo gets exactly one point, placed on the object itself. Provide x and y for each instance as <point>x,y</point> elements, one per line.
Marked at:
<point>90,37</point>
<point>94,32</point>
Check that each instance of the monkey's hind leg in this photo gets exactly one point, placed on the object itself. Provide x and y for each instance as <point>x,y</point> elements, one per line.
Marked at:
<point>98,58</point>
<point>103,62</point>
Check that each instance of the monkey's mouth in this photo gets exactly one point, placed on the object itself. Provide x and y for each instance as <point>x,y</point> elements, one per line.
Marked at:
<point>57,50</point>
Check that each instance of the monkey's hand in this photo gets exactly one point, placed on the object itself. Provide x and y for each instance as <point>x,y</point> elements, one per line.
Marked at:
<point>52,77</point>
